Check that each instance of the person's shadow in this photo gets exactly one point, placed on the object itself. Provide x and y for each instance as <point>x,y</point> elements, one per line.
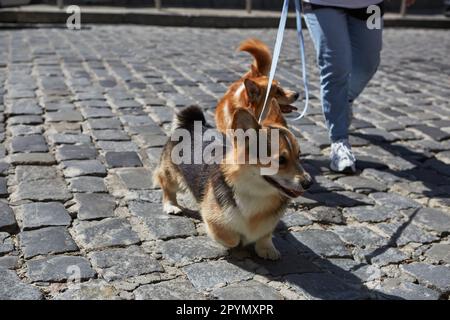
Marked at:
<point>424,169</point>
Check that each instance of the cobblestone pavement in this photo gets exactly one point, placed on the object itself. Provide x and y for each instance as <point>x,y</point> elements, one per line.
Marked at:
<point>84,115</point>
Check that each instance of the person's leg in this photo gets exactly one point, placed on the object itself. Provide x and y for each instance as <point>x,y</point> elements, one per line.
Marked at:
<point>328,29</point>
<point>366,47</point>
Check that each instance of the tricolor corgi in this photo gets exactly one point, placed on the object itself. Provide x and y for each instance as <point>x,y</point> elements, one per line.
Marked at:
<point>239,204</point>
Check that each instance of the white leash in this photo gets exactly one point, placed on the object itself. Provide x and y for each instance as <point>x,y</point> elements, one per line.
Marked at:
<point>276,55</point>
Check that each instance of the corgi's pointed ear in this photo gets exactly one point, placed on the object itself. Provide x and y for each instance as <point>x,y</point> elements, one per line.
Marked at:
<point>253,91</point>
<point>274,115</point>
<point>244,119</point>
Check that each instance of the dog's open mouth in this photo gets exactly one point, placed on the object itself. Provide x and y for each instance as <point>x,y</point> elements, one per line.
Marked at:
<point>287,108</point>
<point>291,193</point>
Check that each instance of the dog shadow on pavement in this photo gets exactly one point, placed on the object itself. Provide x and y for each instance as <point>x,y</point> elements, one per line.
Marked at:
<point>430,171</point>
<point>309,274</point>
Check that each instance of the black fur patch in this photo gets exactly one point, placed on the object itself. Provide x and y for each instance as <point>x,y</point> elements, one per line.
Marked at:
<point>189,115</point>
<point>223,193</point>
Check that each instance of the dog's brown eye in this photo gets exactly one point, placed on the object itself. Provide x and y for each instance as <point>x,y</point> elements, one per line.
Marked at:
<point>282,160</point>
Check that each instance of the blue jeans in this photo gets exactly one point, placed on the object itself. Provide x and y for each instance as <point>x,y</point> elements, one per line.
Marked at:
<point>348,55</point>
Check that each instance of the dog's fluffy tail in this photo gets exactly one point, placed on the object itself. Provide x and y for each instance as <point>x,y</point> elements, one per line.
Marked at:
<point>261,52</point>
<point>185,118</point>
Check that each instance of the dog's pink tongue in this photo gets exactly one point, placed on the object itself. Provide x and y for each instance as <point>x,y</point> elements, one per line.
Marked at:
<point>286,108</point>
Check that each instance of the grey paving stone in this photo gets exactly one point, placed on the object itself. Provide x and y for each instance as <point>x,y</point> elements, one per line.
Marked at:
<point>168,290</point>
<point>59,269</point>
<point>117,146</point>
<point>12,288</point>
<point>327,215</point>
<point>166,227</point>
<point>324,243</point>
<point>408,291</point>
<point>432,132</point>
<point>36,215</point>
<point>438,166</point>
<point>33,173</point>
<point>290,262</point>
<point>9,262</point>
<point>391,255</point>
<point>87,184</point>
<point>32,159</point>
<point>24,130</point>
<point>294,218</point>
<point>25,120</point>
<point>4,167</point>
<point>133,120</point>
<point>24,107</point>
<point>148,129</point>
<point>183,251</point>
<point>435,276</point>
<point>394,200</point>
<point>7,219</point>
<point>122,159</point>
<point>76,168</point>
<point>145,209</point>
<point>91,112</point>
<point>110,135</point>
<point>6,243</point>
<point>115,264</point>
<point>154,155</point>
<point>66,115</point>
<point>323,184</point>
<point>247,290</point>
<point>75,152</point>
<point>207,275</point>
<point>439,252</point>
<point>401,233</point>
<point>62,138</point>
<point>46,240</point>
<point>377,134</point>
<point>350,271</point>
<point>371,213</point>
<point>359,184</point>
<point>91,206</point>
<point>104,123</point>
<point>150,140</point>
<point>92,290</point>
<point>136,178</point>
<point>32,143</point>
<point>360,236</point>
<point>41,190</point>
<point>433,219</point>
<point>339,199</point>
<point>105,233</point>
<point>324,286</point>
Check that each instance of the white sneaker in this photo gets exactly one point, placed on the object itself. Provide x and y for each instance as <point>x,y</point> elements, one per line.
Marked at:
<point>342,158</point>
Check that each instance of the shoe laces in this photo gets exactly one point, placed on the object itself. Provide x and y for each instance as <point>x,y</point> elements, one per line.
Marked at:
<point>343,149</point>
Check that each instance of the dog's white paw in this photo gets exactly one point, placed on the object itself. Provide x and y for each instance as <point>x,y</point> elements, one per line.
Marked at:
<point>171,209</point>
<point>268,252</point>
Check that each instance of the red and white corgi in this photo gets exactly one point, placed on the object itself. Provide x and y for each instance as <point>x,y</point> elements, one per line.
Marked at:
<point>250,91</point>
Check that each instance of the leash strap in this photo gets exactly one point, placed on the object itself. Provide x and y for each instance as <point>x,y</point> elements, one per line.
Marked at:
<point>301,39</point>
<point>277,50</point>
<point>276,55</point>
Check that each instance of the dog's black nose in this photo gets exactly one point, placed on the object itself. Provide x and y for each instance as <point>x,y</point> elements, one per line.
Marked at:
<point>307,183</point>
<point>296,95</point>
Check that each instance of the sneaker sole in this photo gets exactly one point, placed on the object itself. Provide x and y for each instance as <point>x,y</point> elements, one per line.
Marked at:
<point>350,169</point>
